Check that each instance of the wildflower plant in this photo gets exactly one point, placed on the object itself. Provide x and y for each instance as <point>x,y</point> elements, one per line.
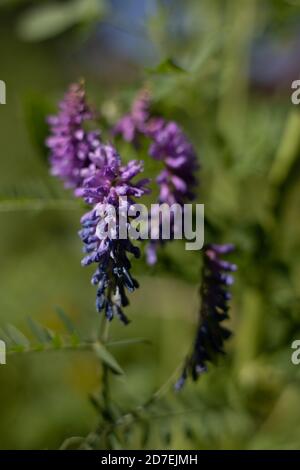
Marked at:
<point>100,178</point>
<point>92,168</point>
<point>213,125</point>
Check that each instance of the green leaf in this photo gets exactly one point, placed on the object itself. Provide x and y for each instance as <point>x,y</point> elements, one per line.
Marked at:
<point>72,443</point>
<point>146,432</point>
<point>39,332</point>
<point>167,67</point>
<point>47,340</point>
<point>105,356</point>
<point>28,204</point>
<point>48,20</point>
<point>35,195</point>
<point>129,341</point>
<point>4,337</point>
<point>94,400</point>
<point>68,323</point>
<point>57,341</point>
<point>17,337</point>
<point>114,441</point>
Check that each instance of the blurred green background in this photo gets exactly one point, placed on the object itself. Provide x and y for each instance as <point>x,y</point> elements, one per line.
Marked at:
<point>223,69</point>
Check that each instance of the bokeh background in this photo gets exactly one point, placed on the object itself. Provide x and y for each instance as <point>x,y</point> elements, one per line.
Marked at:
<point>223,69</point>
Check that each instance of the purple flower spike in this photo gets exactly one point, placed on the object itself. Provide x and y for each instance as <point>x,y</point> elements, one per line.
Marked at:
<point>168,143</point>
<point>106,181</point>
<point>210,335</point>
<point>95,172</point>
<point>172,147</point>
<point>70,145</point>
<point>132,125</point>
<point>177,180</point>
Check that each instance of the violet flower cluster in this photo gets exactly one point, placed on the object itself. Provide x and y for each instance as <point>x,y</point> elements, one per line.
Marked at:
<point>211,335</point>
<point>95,172</point>
<point>106,183</point>
<point>168,144</point>
<point>69,143</point>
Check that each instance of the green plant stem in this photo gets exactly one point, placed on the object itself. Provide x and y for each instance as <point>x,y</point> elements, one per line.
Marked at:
<point>84,346</point>
<point>88,346</point>
<point>133,415</point>
<point>105,392</point>
<point>104,330</point>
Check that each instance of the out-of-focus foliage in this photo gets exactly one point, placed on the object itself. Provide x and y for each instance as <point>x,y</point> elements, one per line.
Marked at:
<point>248,140</point>
<point>44,20</point>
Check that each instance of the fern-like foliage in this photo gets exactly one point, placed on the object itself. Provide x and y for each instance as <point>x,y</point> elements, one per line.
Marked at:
<point>44,339</point>
<point>39,195</point>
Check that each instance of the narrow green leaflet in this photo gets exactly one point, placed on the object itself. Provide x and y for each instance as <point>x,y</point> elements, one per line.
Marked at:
<point>19,339</point>
<point>28,204</point>
<point>125,342</point>
<point>168,66</point>
<point>39,332</point>
<point>72,443</point>
<point>69,325</point>
<point>105,356</point>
